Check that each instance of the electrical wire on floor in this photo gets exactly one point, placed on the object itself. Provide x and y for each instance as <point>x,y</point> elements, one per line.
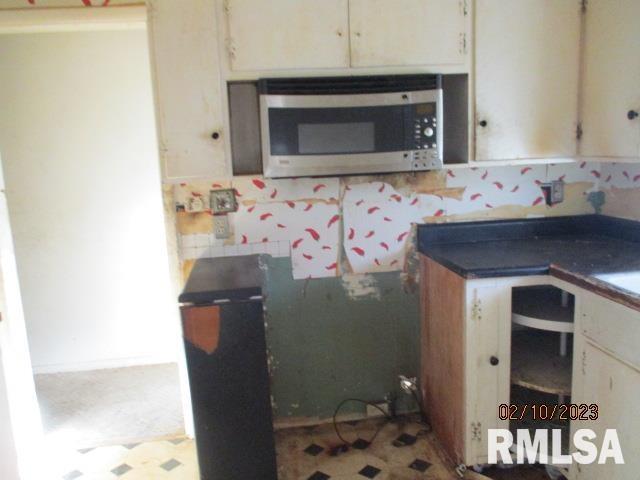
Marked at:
<point>346,444</point>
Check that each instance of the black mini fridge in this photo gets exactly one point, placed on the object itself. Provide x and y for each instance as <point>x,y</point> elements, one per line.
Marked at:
<point>229,382</point>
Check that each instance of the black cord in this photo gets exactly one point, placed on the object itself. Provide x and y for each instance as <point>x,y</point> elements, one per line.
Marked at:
<point>423,415</point>
<point>335,422</point>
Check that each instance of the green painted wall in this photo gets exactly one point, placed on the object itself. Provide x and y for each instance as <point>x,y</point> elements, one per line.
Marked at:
<point>326,345</point>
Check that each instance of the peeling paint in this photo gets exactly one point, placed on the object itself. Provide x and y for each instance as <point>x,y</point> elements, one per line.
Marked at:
<point>363,286</point>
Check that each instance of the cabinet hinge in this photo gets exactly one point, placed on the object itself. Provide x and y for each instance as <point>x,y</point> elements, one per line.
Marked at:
<point>476,308</point>
<point>463,43</point>
<point>579,131</point>
<point>464,7</point>
<point>583,6</point>
<point>151,10</point>
<point>476,431</point>
<point>231,49</point>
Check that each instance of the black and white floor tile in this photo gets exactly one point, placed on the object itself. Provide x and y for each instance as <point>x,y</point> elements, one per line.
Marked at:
<point>165,459</point>
<point>400,450</point>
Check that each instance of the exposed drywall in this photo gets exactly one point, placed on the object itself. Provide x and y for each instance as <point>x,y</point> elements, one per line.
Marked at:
<point>326,344</point>
<point>77,136</point>
<point>620,183</point>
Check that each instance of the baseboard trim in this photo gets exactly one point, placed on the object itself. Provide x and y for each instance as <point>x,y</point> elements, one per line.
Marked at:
<point>103,364</point>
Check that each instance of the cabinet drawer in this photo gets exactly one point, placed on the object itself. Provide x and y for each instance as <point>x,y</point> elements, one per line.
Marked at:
<point>614,327</point>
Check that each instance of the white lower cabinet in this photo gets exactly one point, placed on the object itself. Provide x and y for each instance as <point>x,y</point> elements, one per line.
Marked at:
<point>488,347</point>
<point>607,374</point>
<point>467,369</point>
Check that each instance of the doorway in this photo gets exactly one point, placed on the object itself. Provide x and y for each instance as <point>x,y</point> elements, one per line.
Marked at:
<point>77,136</point>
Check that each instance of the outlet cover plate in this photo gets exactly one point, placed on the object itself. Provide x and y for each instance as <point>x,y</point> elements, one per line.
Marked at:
<point>221,226</point>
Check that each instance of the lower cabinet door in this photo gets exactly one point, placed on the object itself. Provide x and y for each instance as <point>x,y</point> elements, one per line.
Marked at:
<point>487,337</point>
<point>614,386</point>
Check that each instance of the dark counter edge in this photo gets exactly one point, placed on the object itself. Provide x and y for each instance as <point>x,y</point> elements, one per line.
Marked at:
<point>604,289</point>
<point>496,230</point>
<point>235,279</point>
<point>521,229</point>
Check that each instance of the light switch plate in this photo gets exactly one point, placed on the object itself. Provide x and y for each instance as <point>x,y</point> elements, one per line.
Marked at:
<point>223,201</point>
<point>553,192</point>
<point>557,191</point>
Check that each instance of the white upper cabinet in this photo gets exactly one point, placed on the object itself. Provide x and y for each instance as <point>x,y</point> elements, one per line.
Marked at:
<point>409,32</point>
<point>185,65</point>
<point>611,81</point>
<point>287,34</point>
<point>526,78</point>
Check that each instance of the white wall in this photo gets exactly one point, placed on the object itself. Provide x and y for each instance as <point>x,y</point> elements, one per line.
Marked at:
<point>77,137</point>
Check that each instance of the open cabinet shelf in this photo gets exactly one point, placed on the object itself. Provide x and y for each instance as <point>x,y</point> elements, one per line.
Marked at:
<point>542,308</point>
<point>536,363</point>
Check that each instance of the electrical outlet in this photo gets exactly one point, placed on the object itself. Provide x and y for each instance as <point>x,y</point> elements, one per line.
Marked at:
<point>553,192</point>
<point>221,226</point>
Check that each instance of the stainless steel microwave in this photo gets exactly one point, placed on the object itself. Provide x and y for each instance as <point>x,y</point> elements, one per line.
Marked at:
<point>351,125</point>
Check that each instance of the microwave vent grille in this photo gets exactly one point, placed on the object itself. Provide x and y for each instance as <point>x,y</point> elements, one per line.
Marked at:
<point>348,85</point>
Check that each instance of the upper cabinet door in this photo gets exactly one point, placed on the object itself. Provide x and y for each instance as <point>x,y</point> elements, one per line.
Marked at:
<point>287,34</point>
<point>611,82</point>
<point>526,84</point>
<point>410,32</point>
<point>188,88</point>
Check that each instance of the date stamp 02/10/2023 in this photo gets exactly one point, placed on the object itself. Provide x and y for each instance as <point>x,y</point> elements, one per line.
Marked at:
<point>542,411</point>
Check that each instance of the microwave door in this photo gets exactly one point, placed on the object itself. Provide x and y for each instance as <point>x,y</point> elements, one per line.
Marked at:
<point>311,135</point>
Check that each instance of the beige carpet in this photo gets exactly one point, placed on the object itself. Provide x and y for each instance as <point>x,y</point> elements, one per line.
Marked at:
<point>111,407</point>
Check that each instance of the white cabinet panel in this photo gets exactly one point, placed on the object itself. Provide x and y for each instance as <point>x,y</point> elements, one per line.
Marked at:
<point>613,326</point>
<point>611,82</point>
<point>287,34</point>
<point>410,32</point>
<point>188,88</point>
<point>615,388</point>
<point>526,67</point>
<point>488,338</point>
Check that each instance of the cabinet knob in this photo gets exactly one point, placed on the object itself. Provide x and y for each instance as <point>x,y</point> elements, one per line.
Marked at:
<point>482,123</point>
<point>494,361</point>
<point>631,114</point>
<point>215,135</point>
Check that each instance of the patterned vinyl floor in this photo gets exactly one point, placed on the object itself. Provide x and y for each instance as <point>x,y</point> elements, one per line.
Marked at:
<point>401,450</point>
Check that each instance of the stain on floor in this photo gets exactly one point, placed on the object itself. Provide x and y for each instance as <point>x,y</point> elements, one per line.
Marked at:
<point>400,450</point>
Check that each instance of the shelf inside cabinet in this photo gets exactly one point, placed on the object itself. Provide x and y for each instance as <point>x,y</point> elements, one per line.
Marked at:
<point>536,363</point>
<point>542,308</point>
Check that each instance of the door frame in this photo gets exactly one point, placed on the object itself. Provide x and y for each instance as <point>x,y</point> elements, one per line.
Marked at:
<point>67,19</point>
<point>15,359</point>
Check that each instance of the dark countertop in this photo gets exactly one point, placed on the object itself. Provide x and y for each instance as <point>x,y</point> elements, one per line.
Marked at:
<point>223,278</point>
<point>577,249</point>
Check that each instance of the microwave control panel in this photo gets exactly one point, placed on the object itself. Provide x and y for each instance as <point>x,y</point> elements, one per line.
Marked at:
<point>424,133</point>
